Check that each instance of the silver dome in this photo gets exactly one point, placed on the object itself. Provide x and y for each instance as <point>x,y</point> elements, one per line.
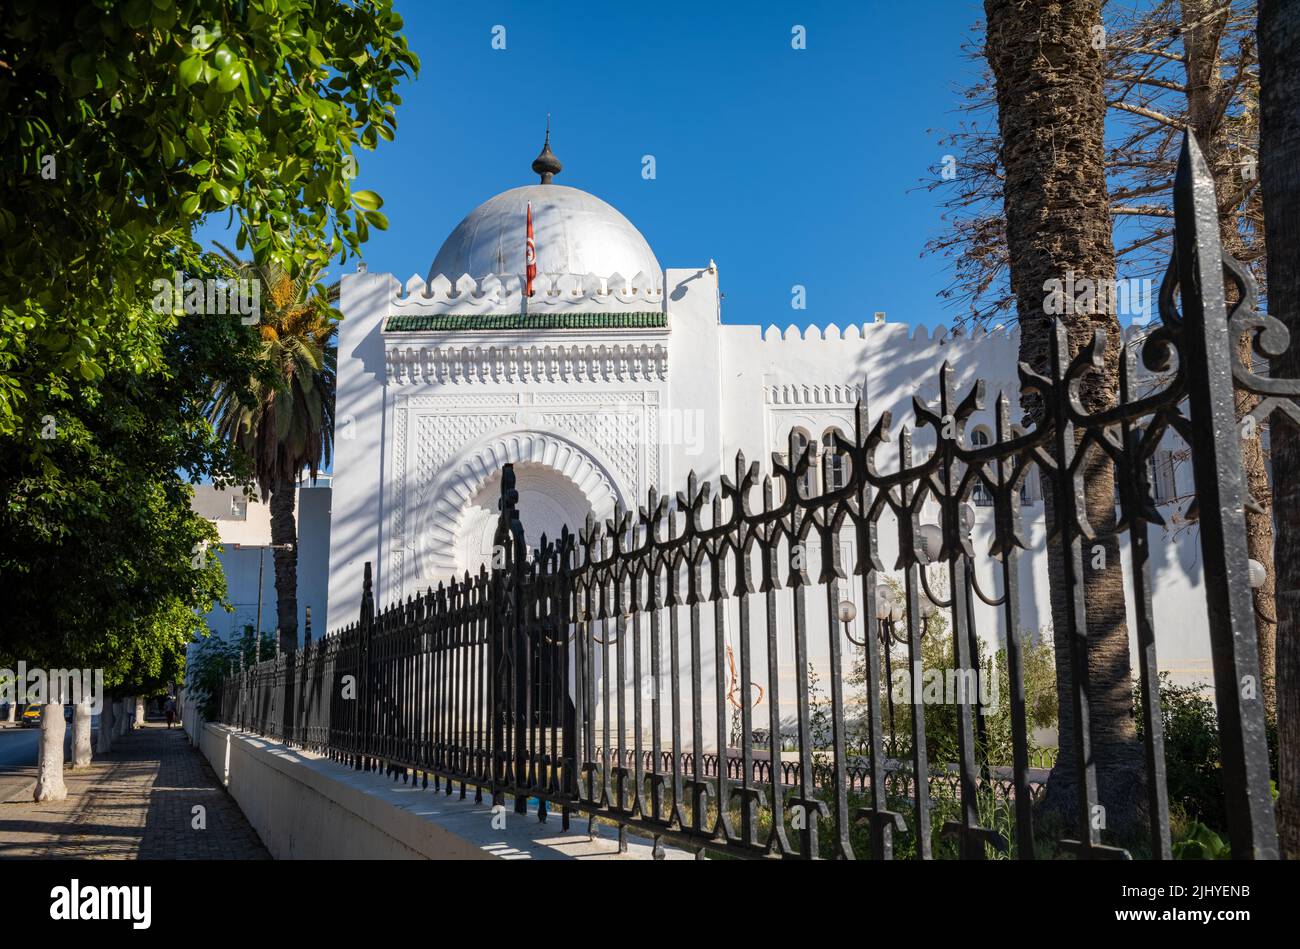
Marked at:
<point>575,233</point>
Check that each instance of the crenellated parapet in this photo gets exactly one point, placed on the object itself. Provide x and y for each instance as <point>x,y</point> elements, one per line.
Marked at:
<point>884,332</point>
<point>900,332</point>
<point>504,293</point>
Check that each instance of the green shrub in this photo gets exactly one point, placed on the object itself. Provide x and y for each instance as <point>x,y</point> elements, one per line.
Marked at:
<point>938,652</point>
<point>210,661</point>
<point>1192,770</point>
<point>1201,843</point>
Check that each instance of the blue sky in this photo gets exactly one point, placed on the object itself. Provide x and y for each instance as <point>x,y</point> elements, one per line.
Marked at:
<point>785,166</point>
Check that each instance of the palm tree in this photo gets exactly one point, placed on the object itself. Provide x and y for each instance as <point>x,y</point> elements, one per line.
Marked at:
<point>288,424</point>
<point>1279,163</point>
<point>1048,68</point>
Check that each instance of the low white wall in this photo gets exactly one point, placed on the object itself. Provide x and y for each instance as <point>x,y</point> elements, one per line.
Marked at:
<point>306,807</point>
<point>192,720</point>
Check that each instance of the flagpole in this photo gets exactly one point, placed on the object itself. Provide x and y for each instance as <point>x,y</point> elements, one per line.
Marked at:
<point>530,258</point>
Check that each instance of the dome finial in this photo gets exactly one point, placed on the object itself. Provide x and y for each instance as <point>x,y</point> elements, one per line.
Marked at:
<point>546,164</point>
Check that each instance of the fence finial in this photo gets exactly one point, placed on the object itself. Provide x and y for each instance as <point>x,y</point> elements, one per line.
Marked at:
<point>367,597</point>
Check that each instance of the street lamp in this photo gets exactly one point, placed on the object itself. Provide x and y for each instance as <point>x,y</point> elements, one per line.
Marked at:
<point>967,516</point>
<point>261,560</point>
<point>848,613</point>
<point>890,611</point>
<point>1256,572</point>
<point>929,541</point>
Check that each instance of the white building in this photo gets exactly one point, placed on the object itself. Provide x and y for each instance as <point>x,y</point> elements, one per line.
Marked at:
<point>244,528</point>
<point>616,376</point>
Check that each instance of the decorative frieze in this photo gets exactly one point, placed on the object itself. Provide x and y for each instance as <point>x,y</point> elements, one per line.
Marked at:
<point>813,394</point>
<point>573,363</point>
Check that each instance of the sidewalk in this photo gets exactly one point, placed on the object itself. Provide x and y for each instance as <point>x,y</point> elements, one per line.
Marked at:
<point>134,803</point>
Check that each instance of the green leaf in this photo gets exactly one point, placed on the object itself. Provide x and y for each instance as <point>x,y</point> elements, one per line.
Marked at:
<point>83,66</point>
<point>194,135</point>
<point>230,77</point>
<point>136,13</point>
<point>367,200</point>
<point>164,18</point>
<point>191,70</point>
<point>107,74</point>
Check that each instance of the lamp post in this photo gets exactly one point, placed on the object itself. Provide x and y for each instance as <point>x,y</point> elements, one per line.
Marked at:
<point>889,612</point>
<point>848,613</point>
<point>261,560</point>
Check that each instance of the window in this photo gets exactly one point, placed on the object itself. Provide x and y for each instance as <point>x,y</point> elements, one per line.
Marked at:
<point>1029,486</point>
<point>1160,472</point>
<point>238,507</point>
<point>836,462</point>
<point>979,438</point>
<point>799,442</point>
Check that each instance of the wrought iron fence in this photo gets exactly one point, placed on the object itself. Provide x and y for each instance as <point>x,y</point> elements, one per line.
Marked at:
<point>593,673</point>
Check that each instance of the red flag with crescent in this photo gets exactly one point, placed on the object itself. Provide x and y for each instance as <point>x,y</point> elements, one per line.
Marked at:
<point>530,255</point>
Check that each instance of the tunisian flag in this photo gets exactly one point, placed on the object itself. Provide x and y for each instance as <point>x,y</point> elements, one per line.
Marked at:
<point>530,254</point>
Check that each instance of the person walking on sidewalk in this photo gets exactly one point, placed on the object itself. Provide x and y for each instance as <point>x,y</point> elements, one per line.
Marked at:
<point>169,709</point>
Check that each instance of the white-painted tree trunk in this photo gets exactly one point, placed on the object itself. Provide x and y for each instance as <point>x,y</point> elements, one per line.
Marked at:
<point>139,711</point>
<point>106,725</point>
<point>49,770</point>
<point>123,720</point>
<point>81,734</point>
<point>9,715</point>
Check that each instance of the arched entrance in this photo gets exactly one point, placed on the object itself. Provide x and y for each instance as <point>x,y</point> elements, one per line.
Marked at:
<point>559,483</point>
<point>548,501</point>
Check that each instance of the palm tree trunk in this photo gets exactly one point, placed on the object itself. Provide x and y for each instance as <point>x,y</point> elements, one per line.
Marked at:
<point>1279,162</point>
<point>1051,112</point>
<point>284,535</point>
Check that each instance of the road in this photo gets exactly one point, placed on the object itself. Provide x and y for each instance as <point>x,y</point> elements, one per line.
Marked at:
<point>18,756</point>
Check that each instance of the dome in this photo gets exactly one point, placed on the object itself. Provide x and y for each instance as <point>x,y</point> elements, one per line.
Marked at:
<point>574,233</point>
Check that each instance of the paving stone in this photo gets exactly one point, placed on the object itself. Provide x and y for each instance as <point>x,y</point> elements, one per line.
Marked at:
<point>134,803</point>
